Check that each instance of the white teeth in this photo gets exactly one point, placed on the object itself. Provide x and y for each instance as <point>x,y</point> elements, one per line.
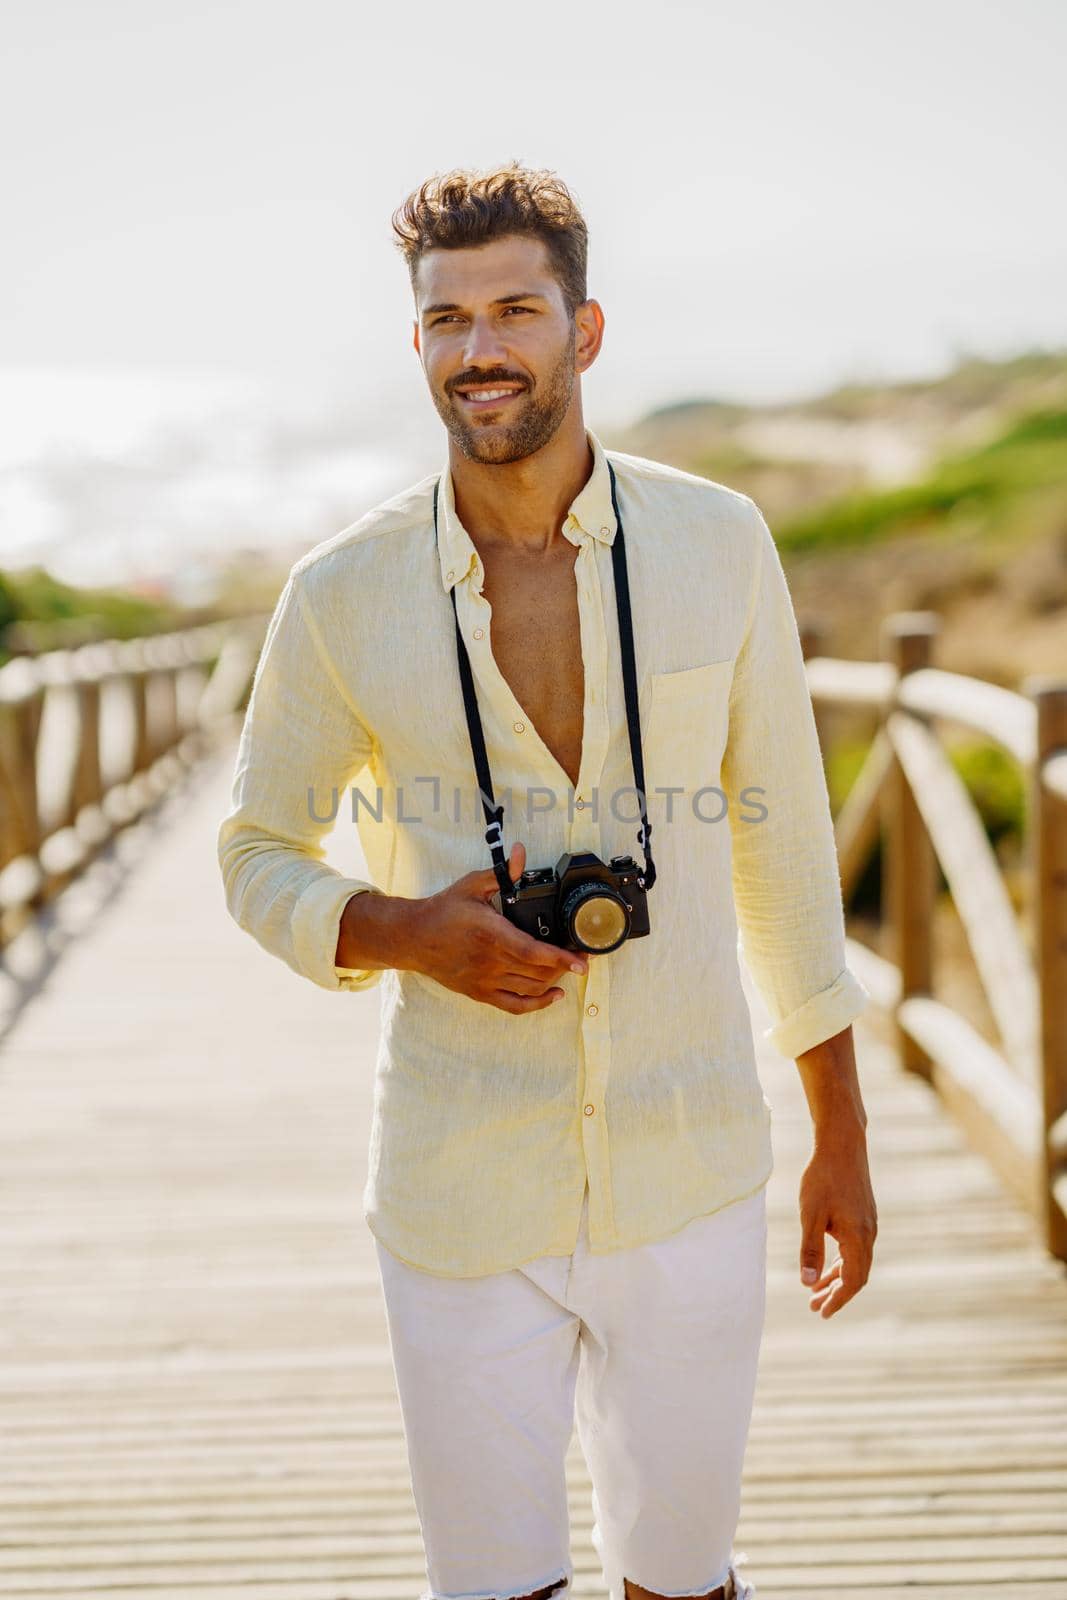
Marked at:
<point>489,394</point>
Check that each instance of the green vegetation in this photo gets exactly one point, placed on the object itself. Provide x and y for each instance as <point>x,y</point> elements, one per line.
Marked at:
<point>997,786</point>
<point>48,614</point>
<point>1027,461</point>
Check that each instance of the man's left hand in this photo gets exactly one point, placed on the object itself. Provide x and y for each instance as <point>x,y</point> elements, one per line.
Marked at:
<point>836,1198</point>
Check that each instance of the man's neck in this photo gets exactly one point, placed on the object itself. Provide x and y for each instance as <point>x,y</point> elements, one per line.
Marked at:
<point>523,504</point>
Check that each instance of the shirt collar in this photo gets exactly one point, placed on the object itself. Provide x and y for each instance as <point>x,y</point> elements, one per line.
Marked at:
<point>591,515</point>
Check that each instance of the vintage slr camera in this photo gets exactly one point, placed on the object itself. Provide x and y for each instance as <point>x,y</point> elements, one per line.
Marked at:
<point>581,904</point>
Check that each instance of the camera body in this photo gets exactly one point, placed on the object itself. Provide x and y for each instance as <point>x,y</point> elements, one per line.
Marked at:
<point>581,904</point>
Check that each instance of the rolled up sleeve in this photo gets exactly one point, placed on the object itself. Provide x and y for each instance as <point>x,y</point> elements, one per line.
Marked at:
<point>786,878</point>
<point>301,741</point>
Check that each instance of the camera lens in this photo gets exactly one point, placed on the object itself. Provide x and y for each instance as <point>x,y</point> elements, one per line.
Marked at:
<point>595,917</point>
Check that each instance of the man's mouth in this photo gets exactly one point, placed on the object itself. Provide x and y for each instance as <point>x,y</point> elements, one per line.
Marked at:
<point>490,397</point>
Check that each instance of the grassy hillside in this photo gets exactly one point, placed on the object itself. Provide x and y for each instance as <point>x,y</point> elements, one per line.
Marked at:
<point>1016,481</point>
<point>948,494</point>
<point>796,458</point>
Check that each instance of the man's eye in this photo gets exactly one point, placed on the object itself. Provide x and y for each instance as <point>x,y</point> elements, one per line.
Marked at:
<point>451,316</point>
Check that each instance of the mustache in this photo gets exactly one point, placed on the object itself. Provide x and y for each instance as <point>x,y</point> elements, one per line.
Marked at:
<point>485,380</point>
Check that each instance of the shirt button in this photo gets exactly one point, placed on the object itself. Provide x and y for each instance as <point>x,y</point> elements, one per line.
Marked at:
<point>589,1110</point>
<point>579,803</point>
<point>520,727</point>
<point>591,1011</point>
<point>479,633</point>
<point>605,531</point>
<point>451,575</point>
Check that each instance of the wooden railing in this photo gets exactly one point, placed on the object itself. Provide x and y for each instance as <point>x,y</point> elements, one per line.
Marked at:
<point>1010,1097</point>
<point>90,737</point>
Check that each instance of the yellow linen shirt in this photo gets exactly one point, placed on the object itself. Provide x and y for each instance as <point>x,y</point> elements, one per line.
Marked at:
<point>641,1082</point>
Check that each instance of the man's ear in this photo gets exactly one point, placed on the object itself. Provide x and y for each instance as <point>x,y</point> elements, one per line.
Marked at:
<point>415,336</point>
<point>589,321</point>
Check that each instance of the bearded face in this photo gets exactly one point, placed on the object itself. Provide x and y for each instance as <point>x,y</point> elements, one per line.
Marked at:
<point>498,346</point>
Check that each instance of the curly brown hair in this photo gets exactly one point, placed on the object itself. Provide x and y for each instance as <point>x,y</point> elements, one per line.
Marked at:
<point>466,207</point>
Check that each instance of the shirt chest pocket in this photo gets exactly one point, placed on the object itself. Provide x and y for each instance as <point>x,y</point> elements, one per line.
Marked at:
<point>688,724</point>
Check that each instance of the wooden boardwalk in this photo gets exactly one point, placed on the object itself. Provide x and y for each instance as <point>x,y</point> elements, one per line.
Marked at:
<point>196,1395</point>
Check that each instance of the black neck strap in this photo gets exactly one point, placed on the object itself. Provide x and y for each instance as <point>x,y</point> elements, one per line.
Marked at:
<point>494,814</point>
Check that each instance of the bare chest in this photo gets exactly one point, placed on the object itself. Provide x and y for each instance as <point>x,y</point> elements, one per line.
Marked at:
<point>536,642</point>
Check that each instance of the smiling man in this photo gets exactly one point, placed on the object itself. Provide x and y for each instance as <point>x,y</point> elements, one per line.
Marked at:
<point>570,1146</point>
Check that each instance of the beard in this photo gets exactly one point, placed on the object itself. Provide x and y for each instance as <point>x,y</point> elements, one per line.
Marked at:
<point>539,414</point>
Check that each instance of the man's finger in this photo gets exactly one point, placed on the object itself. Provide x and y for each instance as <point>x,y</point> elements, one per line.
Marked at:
<point>855,1264</point>
<point>837,1296</point>
<point>524,983</point>
<point>832,1271</point>
<point>532,956</point>
<point>507,1000</point>
<point>822,1292</point>
<point>855,1270</point>
<point>812,1247</point>
<point>483,881</point>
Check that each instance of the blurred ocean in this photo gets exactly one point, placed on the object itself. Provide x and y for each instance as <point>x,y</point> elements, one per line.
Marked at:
<point>161,481</point>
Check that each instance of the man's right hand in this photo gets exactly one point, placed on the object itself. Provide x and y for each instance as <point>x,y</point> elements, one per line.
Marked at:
<point>465,943</point>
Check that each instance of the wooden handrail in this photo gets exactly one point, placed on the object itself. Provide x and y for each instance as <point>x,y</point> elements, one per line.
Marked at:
<point>999,714</point>
<point>1011,1100</point>
<point>985,708</point>
<point>164,700</point>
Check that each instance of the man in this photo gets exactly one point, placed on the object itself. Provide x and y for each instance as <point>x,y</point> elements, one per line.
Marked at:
<point>570,1143</point>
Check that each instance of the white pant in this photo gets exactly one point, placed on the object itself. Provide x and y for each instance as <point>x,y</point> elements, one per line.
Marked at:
<point>659,1346</point>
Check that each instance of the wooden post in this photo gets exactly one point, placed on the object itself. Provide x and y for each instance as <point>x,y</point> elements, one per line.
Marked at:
<point>167,710</point>
<point>20,723</point>
<point>909,873</point>
<point>136,667</point>
<point>1048,900</point>
<point>88,787</point>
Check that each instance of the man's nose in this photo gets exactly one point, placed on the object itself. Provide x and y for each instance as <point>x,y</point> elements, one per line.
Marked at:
<point>484,346</point>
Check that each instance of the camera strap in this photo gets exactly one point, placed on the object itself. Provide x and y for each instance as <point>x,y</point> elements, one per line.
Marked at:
<point>494,814</point>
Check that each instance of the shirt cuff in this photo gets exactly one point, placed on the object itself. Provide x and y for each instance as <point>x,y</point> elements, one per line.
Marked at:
<point>820,1017</point>
<point>316,926</point>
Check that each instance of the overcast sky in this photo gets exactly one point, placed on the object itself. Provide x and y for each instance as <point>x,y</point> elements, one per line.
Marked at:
<point>778,195</point>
